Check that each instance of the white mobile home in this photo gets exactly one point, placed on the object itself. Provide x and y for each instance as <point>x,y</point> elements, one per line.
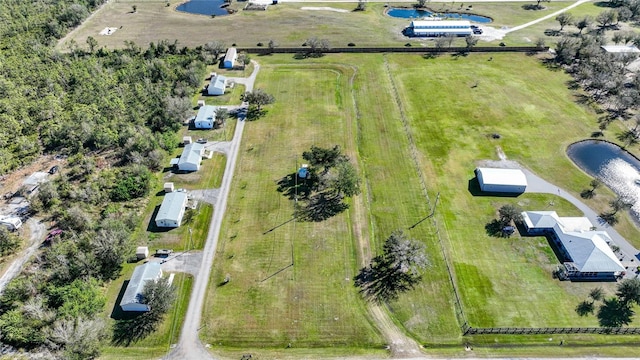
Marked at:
<point>501,180</point>
<point>191,158</point>
<point>131,300</point>
<point>217,85</point>
<point>172,209</point>
<point>206,117</point>
<point>11,223</point>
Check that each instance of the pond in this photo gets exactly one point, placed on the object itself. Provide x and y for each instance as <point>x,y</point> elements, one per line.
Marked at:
<point>204,7</point>
<point>614,166</point>
<point>405,13</point>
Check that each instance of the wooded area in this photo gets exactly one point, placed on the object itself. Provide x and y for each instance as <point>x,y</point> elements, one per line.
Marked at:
<point>115,114</point>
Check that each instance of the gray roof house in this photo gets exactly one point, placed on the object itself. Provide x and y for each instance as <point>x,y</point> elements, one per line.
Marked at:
<point>587,254</point>
<point>206,117</point>
<point>191,157</point>
<point>150,271</point>
<point>218,85</point>
<point>172,209</point>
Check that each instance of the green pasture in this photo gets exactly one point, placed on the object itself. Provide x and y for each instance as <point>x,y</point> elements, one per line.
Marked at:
<point>268,302</point>
<point>289,25</point>
<point>451,105</point>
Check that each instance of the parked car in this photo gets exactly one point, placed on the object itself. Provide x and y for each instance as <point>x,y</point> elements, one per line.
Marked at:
<point>163,252</point>
<point>201,141</point>
<point>477,31</point>
<point>54,169</point>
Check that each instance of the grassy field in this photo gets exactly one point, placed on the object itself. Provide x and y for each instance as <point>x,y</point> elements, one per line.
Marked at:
<point>153,21</point>
<point>450,132</point>
<point>268,302</point>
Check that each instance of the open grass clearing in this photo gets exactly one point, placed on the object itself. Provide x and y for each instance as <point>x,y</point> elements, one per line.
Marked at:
<point>153,22</point>
<point>503,282</point>
<point>312,303</point>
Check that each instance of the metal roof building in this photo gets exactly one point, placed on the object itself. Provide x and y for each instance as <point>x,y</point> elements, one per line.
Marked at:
<point>230,58</point>
<point>217,85</point>
<point>587,252</point>
<point>172,209</point>
<point>206,117</point>
<point>150,271</point>
<point>501,180</point>
<point>439,28</point>
<point>191,157</point>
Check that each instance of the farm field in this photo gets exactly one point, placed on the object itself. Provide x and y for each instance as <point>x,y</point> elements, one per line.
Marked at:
<point>379,113</point>
<point>154,21</point>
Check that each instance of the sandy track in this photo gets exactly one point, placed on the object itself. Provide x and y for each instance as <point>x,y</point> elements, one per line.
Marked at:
<point>37,229</point>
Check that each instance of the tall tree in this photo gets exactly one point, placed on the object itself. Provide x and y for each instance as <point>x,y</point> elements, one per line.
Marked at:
<point>628,291</point>
<point>564,19</point>
<point>398,269</point>
<point>323,157</point>
<point>258,98</point>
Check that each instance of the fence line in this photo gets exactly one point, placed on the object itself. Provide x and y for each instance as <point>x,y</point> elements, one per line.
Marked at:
<point>407,49</point>
<point>547,331</point>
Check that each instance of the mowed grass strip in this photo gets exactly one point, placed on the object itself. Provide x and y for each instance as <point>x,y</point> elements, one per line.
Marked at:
<point>267,302</point>
<point>455,104</point>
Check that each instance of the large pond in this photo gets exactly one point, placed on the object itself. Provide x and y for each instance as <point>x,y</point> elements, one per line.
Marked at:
<point>405,13</point>
<point>614,166</point>
<point>204,7</point>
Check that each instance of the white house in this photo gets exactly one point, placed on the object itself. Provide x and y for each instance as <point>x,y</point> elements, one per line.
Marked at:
<point>131,300</point>
<point>172,209</point>
<point>206,117</point>
<point>230,58</point>
<point>501,180</point>
<point>12,223</point>
<point>621,49</point>
<point>428,28</point>
<point>190,159</point>
<point>217,85</point>
<point>586,253</point>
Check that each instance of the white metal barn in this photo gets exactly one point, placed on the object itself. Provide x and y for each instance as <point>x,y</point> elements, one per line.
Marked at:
<point>206,117</point>
<point>142,274</point>
<point>501,180</point>
<point>217,85</point>
<point>172,209</point>
<point>425,28</point>
<point>191,157</point>
<point>230,58</point>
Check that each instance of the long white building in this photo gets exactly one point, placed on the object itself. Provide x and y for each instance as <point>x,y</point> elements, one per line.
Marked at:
<point>435,28</point>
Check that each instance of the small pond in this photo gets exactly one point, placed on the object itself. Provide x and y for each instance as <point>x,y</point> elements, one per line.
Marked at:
<point>614,166</point>
<point>204,7</point>
<point>405,13</point>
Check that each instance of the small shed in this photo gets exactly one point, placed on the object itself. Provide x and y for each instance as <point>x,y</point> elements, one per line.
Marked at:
<point>501,180</point>
<point>186,140</point>
<point>142,252</point>
<point>201,103</point>
<point>168,187</point>
<point>303,172</point>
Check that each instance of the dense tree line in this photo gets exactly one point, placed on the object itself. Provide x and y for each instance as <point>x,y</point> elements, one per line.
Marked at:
<point>115,114</point>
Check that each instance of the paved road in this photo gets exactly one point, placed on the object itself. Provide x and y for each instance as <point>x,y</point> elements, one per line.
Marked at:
<point>37,229</point>
<point>189,346</point>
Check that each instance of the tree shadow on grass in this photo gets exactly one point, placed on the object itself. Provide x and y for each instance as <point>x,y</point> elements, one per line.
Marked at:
<point>128,331</point>
<point>293,186</point>
<point>614,313</point>
<point>321,207</point>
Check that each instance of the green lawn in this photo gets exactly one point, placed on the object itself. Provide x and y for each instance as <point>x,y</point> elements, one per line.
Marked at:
<point>312,303</point>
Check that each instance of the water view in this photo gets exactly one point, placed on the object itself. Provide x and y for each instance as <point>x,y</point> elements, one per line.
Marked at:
<point>418,14</point>
<point>204,7</point>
